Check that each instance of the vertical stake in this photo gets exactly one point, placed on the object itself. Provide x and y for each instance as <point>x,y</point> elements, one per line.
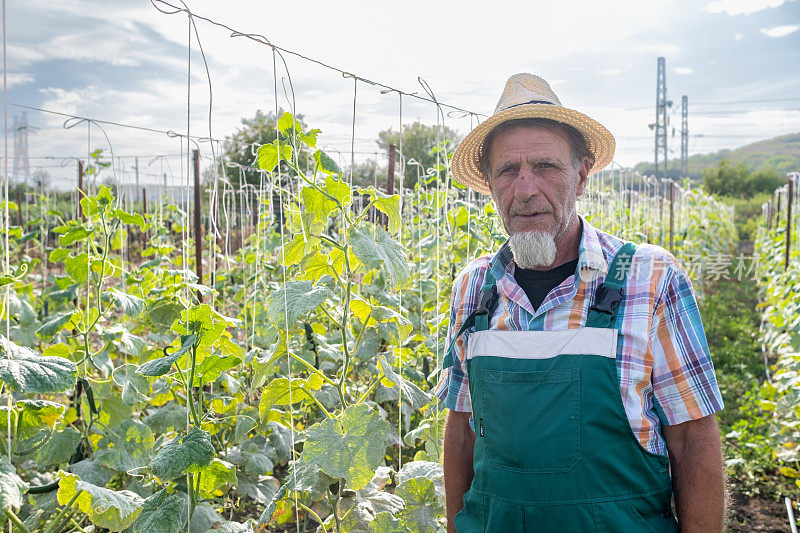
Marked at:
<point>136,160</point>
<point>778,211</point>
<point>789,198</point>
<point>389,180</point>
<point>79,212</point>
<point>144,214</point>
<point>198,229</point>
<point>671,217</point>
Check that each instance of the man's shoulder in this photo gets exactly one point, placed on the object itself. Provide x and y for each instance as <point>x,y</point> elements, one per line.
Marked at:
<point>646,253</point>
<point>470,278</point>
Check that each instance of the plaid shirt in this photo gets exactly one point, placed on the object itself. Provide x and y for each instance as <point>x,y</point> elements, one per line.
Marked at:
<point>663,362</point>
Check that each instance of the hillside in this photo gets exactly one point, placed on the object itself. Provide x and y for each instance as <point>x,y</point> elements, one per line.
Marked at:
<point>779,153</point>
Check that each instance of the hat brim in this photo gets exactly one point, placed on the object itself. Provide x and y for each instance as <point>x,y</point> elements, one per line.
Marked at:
<point>465,167</point>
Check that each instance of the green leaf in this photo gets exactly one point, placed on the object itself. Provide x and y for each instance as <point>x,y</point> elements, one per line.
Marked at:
<point>339,189</point>
<point>285,123</point>
<point>59,447</point>
<point>23,370</point>
<point>163,313</point>
<point>73,234</point>
<point>268,157</point>
<point>212,366</point>
<point>135,387</point>
<point>386,523</point>
<point>106,508</point>
<point>277,392</point>
<point>77,267</point>
<point>390,205</point>
<point>422,490</point>
<point>161,513</point>
<point>310,138</point>
<point>326,164</point>
<point>11,486</point>
<point>54,324</point>
<point>131,305</point>
<point>182,454</point>
<point>317,203</point>
<point>412,394</point>
<point>35,416</point>
<point>216,478</point>
<point>129,218</point>
<point>293,300</point>
<point>170,417</point>
<point>127,447</point>
<point>351,451</point>
<point>162,365</point>
<point>382,254</point>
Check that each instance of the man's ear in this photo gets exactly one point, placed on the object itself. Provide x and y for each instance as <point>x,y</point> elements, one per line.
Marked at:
<point>583,175</point>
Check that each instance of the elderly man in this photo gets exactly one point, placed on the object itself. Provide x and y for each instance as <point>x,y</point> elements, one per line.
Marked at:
<point>578,378</point>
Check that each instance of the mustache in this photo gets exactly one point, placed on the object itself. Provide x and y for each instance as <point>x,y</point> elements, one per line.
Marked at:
<point>527,211</point>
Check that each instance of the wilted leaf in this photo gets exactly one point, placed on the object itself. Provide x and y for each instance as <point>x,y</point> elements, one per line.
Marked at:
<point>106,508</point>
<point>216,478</point>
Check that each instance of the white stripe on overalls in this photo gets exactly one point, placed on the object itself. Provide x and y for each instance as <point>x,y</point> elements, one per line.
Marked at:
<point>542,344</point>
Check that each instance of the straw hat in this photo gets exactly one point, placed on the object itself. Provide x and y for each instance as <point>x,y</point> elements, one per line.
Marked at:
<point>528,96</point>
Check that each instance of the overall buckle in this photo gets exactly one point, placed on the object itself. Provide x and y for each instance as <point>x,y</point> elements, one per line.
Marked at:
<point>487,301</point>
<point>606,300</point>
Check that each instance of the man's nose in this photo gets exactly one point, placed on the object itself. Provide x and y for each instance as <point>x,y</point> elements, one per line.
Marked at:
<point>527,185</point>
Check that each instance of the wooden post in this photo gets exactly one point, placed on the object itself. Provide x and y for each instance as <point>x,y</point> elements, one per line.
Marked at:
<point>789,198</point>
<point>198,229</point>
<point>19,206</point>
<point>778,211</point>
<point>672,217</point>
<point>79,212</point>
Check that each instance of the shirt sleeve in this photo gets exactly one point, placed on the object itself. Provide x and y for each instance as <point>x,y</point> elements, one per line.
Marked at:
<point>453,386</point>
<point>684,384</point>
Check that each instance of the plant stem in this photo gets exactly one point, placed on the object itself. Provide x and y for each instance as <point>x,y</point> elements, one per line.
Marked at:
<point>17,522</point>
<point>315,515</point>
<point>52,528</point>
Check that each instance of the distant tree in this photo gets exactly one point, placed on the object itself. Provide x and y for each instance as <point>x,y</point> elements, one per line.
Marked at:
<point>419,140</point>
<point>241,146</point>
<point>739,182</point>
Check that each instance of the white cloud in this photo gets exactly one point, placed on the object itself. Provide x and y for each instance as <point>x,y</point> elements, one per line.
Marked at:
<point>610,72</point>
<point>665,49</point>
<point>738,36</point>
<point>739,7</point>
<point>19,79</point>
<point>683,70</point>
<point>780,31</point>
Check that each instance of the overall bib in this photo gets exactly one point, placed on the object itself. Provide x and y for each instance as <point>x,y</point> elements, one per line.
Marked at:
<point>554,451</point>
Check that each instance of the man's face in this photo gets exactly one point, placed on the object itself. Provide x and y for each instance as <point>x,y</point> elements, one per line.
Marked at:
<point>533,179</point>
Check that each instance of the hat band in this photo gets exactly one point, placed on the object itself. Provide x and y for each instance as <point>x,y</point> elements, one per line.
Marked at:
<point>531,102</point>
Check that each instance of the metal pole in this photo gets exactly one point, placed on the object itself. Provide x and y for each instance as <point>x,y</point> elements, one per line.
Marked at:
<point>390,174</point>
<point>198,229</point>
<point>79,211</point>
<point>789,199</point>
<point>671,217</point>
<point>136,161</point>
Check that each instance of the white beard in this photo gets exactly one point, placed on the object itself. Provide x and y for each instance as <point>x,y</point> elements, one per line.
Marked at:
<point>533,249</point>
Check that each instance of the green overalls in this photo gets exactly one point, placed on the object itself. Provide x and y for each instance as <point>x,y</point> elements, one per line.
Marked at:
<point>554,451</point>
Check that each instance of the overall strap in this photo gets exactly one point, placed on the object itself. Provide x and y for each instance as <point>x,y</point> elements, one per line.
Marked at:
<point>603,313</point>
<point>479,317</point>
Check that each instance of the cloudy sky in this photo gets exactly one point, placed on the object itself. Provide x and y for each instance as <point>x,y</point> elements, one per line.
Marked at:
<point>125,61</point>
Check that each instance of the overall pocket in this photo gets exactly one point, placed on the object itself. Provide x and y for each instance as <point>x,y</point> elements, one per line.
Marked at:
<point>531,420</point>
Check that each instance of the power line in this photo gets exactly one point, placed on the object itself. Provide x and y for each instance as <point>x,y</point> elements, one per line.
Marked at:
<point>261,39</point>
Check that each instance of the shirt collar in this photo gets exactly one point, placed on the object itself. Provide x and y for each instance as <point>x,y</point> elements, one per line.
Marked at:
<point>591,260</point>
